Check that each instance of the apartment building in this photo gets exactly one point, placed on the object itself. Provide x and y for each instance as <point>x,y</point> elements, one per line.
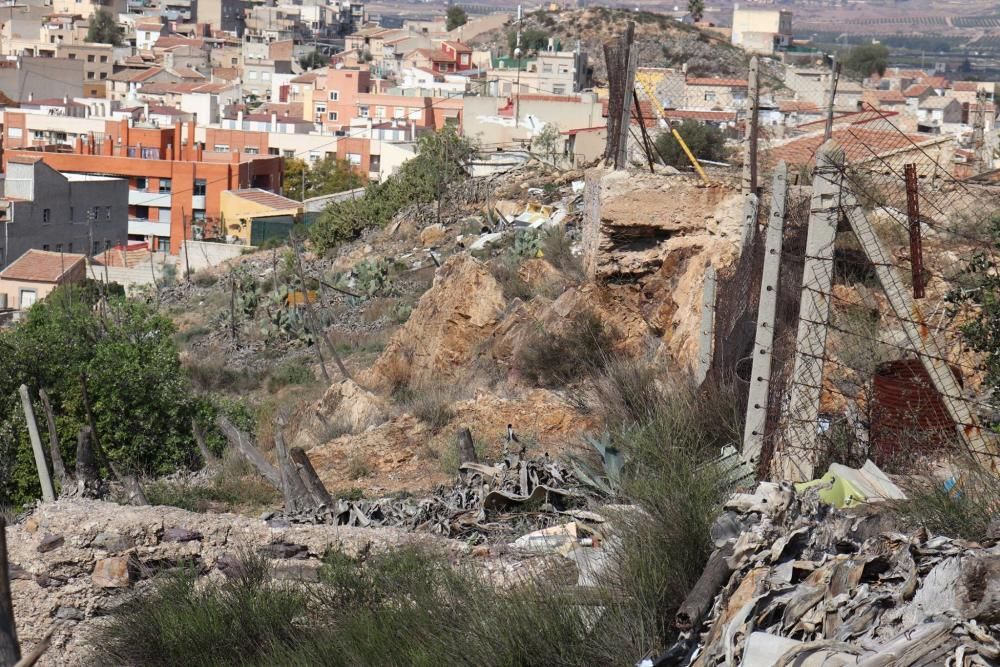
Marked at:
<point>87,8</point>
<point>371,149</point>
<point>714,93</point>
<point>174,186</point>
<point>43,209</point>
<point>42,77</point>
<point>551,72</point>
<point>762,31</point>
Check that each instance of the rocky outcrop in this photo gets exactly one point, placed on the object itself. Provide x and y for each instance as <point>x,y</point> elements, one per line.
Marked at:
<point>345,406</point>
<point>445,330</point>
<point>407,455</point>
<point>107,551</point>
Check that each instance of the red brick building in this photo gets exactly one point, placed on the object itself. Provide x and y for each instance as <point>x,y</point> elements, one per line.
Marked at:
<point>174,184</point>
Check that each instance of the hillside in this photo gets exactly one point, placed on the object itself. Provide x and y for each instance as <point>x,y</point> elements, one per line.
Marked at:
<point>662,41</point>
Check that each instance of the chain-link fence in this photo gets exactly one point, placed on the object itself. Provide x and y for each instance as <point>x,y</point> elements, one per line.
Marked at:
<point>869,349</point>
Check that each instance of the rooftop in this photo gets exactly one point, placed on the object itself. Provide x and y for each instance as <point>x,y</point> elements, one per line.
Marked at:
<point>41,266</point>
<point>265,198</point>
<point>730,83</point>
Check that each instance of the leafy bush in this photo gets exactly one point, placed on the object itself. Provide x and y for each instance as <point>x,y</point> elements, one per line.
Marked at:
<point>214,375</point>
<point>126,354</point>
<point>290,373</point>
<point>706,142</point>
<point>440,159</point>
<point>556,358</point>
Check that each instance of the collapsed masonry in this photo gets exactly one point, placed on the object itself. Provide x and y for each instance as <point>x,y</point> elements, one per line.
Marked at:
<point>659,233</point>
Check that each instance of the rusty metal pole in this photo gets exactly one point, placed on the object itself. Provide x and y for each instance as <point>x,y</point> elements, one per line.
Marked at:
<point>913,217</point>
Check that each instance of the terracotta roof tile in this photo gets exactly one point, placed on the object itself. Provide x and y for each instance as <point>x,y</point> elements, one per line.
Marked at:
<point>853,139</point>
<point>730,83</point>
<point>41,266</point>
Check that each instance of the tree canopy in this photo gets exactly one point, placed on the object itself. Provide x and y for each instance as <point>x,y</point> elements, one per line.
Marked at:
<point>696,8</point>
<point>865,60</point>
<point>441,159</point>
<point>123,352</point>
<point>705,141</point>
<point>455,17</point>
<point>323,178</point>
<point>313,60</point>
<point>103,28</point>
<point>532,39</point>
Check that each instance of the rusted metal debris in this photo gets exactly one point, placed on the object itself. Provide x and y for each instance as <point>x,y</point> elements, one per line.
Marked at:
<point>485,498</point>
<point>913,217</point>
<point>813,585</point>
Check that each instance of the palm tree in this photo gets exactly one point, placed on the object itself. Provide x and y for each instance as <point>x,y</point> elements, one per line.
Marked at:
<point>696,8</point>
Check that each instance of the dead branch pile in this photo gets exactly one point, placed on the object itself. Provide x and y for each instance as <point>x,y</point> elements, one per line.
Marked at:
<point>813,585</point>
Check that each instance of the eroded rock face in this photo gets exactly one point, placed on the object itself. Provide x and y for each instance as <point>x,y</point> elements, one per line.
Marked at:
<point>660,233</point>
<point>444,332</point>
<point>345,406</point>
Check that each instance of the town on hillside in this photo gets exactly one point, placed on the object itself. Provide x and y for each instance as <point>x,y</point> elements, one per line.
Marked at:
<point>355,333</point>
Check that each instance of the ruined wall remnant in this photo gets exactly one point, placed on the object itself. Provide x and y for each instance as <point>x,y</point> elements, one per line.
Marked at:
<point>660,233</point>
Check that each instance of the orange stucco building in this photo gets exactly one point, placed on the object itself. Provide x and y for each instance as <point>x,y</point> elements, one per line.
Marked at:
<point>174,184</point>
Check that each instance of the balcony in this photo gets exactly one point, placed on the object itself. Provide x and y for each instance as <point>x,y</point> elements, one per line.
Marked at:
<point>148,228</point>
<point>142,198</point>
<point>198,202</point>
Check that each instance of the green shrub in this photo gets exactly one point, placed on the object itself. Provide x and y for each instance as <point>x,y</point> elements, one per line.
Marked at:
<point>290,373</point>
<point>550,358</point>
<point>215,375</point>
<point>204,278</point>
<point>704,141</point>
<point>964,509</point>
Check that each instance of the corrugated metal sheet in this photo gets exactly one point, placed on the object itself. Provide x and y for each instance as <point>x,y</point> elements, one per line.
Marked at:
<point>908,415</point>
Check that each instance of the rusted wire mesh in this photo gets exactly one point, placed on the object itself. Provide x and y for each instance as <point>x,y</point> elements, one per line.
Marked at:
<point>879,370</point>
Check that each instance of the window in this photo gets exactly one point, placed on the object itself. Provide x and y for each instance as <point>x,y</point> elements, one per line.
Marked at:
<point>142,212</point>
<point>59,247</point>
<point>287,153</point>
<point>398,112</point>
<point>334,95</point>
<point>380,112</point>
<point>375,163</point>
<point>333,115</point>
<point>28,298</point>
<point>104,75</point>
<point>250,150</point>
<point>46,216</point>
<point>363,112</point>
<point>90,75</point>
<point>200,185</point>
<point>273,151</point>
<point>547,68</point>
<point>95,248</point>
<point>94,213</point>
<point>163,215</point>
<point>252,74</point>
<point>69,248</point>
<point>354,158</point>
<point>164,185</point>
<point>141,183</point>
<point>221,148</point>
<point>104,59</point>
<point>90,58</point>
<point>710,97</point>
<point>46,247</point>
<point>15,132</point>
<point>107,213</point>
<point>72,56</point>
<point>313,156</point>
<point>558,90</point>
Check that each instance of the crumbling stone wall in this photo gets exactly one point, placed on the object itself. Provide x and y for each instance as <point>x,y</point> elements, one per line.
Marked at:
<point>660,232</point>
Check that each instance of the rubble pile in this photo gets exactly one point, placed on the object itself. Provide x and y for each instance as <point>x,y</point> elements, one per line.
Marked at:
<point>485,499</point>
<point>815,585</point>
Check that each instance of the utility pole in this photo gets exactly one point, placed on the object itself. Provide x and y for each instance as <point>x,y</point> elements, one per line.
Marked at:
<point>749,180</point>
<point>706,335</point>
<point>631,62</point>
<point>517,77</point>
<point>978,129</point>
<point>834,80</point>
<point>796,455</point>
<point>763,347</point>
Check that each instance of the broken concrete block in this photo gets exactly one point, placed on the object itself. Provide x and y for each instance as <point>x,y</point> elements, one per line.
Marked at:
<point>283,550</point>
<point>112,573</point>
<point>112,542</point>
